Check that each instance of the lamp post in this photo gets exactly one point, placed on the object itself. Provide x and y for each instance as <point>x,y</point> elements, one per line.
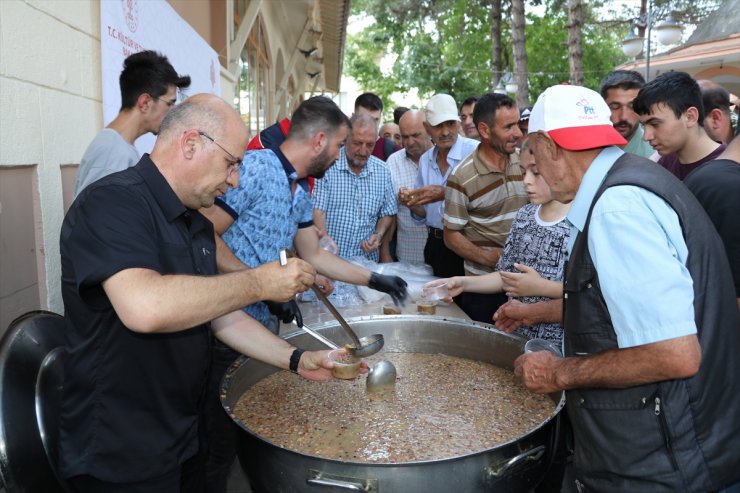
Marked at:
<point>506,84</point>
<point>669,32</point>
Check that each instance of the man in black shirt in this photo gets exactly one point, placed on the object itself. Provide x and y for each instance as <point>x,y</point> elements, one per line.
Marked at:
<point>142,302</point>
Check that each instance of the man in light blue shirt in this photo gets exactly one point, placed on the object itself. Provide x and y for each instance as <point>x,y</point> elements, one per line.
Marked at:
<point>650,317</point>
<point>426,201</point>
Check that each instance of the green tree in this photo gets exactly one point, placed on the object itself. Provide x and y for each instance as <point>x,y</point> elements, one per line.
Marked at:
<point>446,45</point>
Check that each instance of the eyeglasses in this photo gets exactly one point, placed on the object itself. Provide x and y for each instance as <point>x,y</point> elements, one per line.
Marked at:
<point>169,103</point>
<point>237,162</point>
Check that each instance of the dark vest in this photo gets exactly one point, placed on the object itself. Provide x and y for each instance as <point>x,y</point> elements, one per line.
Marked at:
<point>675,435</point>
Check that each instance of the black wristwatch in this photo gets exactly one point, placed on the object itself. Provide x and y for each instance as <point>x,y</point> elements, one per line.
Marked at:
<point>295,358</point>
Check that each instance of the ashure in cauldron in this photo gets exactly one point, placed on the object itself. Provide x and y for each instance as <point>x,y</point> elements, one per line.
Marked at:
<point>517,465</point>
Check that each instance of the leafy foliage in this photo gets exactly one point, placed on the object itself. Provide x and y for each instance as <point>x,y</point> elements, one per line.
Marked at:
<point>445,45</point>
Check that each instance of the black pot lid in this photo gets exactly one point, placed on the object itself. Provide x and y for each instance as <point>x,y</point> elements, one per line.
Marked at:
<point>31,375</point>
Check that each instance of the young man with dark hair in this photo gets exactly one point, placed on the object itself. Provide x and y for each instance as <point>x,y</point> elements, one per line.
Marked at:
<point>619,88</point>
<point>149,86</point>
<point>371,104</point>
<point>717,116</point>
<point>467,126</point>
<point>482,197</point>
<point>672,115</point>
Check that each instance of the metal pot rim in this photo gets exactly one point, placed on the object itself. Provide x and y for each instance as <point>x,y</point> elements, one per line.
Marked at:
<point>242,360</point>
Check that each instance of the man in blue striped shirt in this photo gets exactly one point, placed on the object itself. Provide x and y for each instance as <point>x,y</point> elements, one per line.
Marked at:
<point>354,202</point>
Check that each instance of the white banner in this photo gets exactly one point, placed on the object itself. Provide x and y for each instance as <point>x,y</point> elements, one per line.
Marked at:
<point>130,26</point>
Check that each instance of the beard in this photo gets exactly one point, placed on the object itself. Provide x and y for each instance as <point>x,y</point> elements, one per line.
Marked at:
<point>500,147</point>
<point>320,164</point>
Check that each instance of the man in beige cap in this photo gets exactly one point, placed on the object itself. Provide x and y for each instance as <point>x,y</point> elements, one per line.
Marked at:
<point>650,315</point>
<point>426,201</point>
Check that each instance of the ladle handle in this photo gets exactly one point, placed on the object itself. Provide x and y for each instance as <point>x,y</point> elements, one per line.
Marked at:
<point>338,316</point>
<point>319,337</point>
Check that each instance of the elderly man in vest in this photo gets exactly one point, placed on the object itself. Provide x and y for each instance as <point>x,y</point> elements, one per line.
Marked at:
<point>652,330</point>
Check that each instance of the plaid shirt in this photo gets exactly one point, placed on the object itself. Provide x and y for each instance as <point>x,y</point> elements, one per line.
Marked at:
<point>354,203</point>
<point>411,235</point>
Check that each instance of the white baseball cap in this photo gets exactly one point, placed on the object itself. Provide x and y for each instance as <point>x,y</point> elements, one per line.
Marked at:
<point>575,117</point>
<point>441,108</point>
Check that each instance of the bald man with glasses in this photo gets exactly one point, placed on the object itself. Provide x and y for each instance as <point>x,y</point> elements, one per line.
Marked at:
<point>143,302</point>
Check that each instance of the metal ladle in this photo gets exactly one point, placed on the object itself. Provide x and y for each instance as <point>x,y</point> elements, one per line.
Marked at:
<point>380,376</point>
<point>362,347</point>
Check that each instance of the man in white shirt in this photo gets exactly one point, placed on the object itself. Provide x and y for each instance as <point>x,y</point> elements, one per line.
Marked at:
<point>411,236</point>
<point>426,201</point>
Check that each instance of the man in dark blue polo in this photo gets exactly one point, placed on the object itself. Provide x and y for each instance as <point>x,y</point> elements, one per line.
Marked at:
<point>143,302</point>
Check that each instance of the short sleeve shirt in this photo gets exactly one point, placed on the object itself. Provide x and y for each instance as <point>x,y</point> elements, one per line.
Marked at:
<point>354,203</point>
<point>481,204</point>
<point>682,170</point>
<point>542,246</point>
<point>430,174</point>
<point>266,214</point>
<point>130,403</point>
<point>411,236</point>
<point>106,154</point>
<point>637,246</point>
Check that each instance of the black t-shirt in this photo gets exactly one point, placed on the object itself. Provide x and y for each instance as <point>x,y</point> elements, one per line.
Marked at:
<point>131,401</point>
<point>716,185</point>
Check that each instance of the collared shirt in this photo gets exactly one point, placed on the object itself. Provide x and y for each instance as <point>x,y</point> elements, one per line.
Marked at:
<point>266,214</point>
<point>636,243</point>
<point>130,403</point>
<point>637,145</point>
<point>411,236</point>
<point>482,203</point>
<point>430,174</point>
<point>354,203</point>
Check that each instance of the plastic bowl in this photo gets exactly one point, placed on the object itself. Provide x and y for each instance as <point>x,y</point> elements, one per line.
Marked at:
<point>534,345</point>
<point>435,290</point>
<point>426,307</point>
<point>346,366</point>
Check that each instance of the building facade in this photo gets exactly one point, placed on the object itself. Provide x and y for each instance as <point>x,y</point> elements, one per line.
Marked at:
<point>271,53</point>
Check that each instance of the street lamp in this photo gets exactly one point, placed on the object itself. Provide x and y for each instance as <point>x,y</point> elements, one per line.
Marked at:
<point>669,32</point>
<point>506,84</point>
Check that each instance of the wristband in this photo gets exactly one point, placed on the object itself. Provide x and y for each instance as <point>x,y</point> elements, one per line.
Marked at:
<point>295,358</point>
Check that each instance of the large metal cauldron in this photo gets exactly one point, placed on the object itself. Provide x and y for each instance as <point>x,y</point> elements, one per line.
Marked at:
<point>514,466</point>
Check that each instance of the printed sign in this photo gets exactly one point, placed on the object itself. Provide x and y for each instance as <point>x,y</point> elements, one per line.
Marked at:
<point>130,26</point>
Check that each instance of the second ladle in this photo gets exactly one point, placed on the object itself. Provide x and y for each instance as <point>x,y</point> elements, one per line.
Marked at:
<point>362,347</point>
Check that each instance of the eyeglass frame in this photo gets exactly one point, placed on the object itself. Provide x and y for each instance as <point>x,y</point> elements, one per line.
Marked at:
<point>236,165</point>
<point>170,104</point>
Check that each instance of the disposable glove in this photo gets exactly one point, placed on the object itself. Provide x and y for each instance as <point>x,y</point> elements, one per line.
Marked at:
<point>286,312</point>
<point>393,285</point>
